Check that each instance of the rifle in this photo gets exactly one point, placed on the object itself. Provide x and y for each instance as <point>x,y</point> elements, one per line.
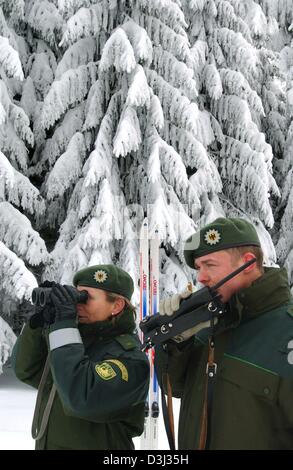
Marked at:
<point>158,329</point>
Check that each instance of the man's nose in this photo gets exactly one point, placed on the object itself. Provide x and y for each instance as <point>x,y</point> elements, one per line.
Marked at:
<point>202,276</point>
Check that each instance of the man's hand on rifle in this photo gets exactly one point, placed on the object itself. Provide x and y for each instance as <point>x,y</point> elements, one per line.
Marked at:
<point>171,304</point>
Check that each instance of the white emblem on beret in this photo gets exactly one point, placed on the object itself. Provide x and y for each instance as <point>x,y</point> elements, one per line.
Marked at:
<point>212,236</point>
<point>100,276</point>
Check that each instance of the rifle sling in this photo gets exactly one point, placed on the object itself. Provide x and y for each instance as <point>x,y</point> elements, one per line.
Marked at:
<point>38,432</point>
<point>211,371</point>
<point>168,410</point>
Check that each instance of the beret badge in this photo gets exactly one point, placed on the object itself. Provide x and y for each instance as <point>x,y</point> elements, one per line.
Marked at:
<point>212,237</point>
<point>100,276</point>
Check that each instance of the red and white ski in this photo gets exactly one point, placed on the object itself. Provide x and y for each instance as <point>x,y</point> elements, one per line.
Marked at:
<point>149,302</point>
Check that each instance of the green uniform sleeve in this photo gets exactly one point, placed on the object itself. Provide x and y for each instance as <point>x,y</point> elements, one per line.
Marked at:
<point>173,359</point>
<point>29,356</point>
<point>97,390</point>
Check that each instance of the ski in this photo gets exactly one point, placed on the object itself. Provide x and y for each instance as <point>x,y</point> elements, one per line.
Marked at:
<point>144,312</point>
<point>149,301</point>
<point>154,306</point>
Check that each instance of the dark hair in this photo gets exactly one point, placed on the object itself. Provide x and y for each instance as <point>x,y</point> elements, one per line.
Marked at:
<point>112,296</point>
<point>256,250</point>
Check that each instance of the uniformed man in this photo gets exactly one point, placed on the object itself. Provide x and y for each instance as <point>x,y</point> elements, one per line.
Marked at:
<point>94,382</point>
<point>246,401</point>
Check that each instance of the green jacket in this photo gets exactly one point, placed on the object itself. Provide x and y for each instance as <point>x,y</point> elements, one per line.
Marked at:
<point>253,392</point>
<point>101,380</point>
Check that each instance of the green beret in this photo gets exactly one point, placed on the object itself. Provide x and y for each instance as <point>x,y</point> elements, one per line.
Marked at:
<point>106,277</point>
<point>221,234</point>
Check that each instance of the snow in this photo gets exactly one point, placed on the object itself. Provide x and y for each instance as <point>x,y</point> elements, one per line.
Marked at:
<point>17,403</point>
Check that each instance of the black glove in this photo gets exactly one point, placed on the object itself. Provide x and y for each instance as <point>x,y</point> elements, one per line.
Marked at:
<point>64,300</point>
<point>37,319</point>
<point>42,315</point>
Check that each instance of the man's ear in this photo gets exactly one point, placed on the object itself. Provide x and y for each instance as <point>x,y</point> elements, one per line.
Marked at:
<point>248,257</point>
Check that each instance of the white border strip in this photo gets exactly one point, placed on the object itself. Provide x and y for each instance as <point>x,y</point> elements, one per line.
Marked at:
<point>63,337</point>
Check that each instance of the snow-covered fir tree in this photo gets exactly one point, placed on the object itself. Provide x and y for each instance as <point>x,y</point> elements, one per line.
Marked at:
<point>125,133</point>
<point>22,250</point>
<point>235,73</point>
<point>284,165</point>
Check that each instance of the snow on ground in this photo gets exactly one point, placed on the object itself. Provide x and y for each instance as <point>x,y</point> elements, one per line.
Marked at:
<point>17,402</point>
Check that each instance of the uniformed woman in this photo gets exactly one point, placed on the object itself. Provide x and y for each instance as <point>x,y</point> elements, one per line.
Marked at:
<point>91,376</point>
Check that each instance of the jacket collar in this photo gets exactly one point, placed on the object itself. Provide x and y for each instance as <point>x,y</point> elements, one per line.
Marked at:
<point>265,294</point>
<point>123,324</point>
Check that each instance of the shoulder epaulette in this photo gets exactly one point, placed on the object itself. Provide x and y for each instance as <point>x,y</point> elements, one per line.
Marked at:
<point>127,342</point>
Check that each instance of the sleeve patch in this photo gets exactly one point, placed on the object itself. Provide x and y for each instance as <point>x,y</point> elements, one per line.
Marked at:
<point>105,371</point>
<point>124,371</point>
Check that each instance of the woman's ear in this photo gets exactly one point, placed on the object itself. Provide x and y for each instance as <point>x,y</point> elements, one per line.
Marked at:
<point>119,305</point>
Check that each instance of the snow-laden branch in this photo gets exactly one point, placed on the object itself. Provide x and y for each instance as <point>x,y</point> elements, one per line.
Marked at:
<point>16,116</point>
<point>168,10</point>
<point>141,43</point>
<point>155,113</point>
<point>12,145</point>
<point>17,188</point>
<point>139,93</point>
<point>107,221</point>
<point>9,59</point>
<point>234,83</point>
<point>43,17</point>
<point>236,49</point>
<point>70,90</point>
<point>177,73</point>
<point>128,135</point>
<point>227,19</point>
<point>256,139</point>
<point>80,53</point>
<point>99,164</point>
<point>57,144</point>
<point>7,341</point>
<point>86,22</point>
<point>249,170</point>
<point>118,52</point>
<point>16,233</point>
<point>16,279</point>
<point>161,34</point>
<point>95,104</point>
<point>68,167</point>
<point>212,81</point>
<point>180,110</point>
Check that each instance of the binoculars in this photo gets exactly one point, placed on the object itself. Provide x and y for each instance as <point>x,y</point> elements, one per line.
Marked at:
<point>42,296</point>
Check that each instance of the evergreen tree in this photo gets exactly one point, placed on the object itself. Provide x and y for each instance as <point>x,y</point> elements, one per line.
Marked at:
<point>231,64</point>
<point>126,133</point>
<point>284,211</point>
<point>21,247</point>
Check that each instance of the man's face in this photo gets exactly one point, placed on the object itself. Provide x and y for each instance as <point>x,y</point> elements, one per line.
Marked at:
<point>213,267</point>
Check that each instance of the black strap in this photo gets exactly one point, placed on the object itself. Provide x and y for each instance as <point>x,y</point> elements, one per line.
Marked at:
<point>166,416</point>
<point>211,378</point>
<point>39,431</point>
